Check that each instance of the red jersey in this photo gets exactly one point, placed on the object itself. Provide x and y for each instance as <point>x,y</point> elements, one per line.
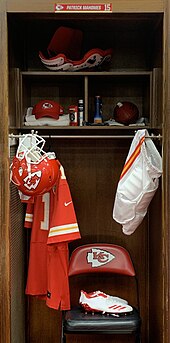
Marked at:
<point>54,224</point>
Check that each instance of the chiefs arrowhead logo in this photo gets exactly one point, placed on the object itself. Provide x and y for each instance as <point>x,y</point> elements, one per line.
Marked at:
<point>32,181</point>
<point>59,7</point>
<point>47,105</point>
<point>98,257</point>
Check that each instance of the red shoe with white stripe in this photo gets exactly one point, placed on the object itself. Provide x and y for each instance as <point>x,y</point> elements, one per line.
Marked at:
<point>101,302</point>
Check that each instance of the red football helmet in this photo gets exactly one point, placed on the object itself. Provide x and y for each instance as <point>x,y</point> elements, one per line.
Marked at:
<point>34,171</point>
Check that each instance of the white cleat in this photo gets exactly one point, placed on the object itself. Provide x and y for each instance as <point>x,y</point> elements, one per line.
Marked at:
<point>100,302</point>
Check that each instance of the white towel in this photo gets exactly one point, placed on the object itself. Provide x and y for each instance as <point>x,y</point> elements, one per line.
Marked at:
<point>30,120</point>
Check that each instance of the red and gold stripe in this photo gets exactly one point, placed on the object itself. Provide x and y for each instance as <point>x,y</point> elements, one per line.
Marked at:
<point>132,158</point>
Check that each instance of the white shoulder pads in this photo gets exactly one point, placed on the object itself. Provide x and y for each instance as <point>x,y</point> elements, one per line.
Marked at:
<point>138,182</point>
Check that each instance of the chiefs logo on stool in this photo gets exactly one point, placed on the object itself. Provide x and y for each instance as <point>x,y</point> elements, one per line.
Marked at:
<point>98,257</point>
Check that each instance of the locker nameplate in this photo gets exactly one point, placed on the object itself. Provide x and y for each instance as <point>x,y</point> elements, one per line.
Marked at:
<point>99,7</point>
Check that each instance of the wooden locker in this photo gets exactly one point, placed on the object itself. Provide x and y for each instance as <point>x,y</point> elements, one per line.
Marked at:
<point>92,163</point>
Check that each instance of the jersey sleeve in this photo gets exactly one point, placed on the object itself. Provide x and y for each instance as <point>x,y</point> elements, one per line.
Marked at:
<point>29,215</point>
<point>63,224</point>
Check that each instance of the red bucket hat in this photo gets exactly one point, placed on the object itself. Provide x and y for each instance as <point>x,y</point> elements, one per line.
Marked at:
<point>64,52</point>
<point>47,108</point>
<point>67,41</point>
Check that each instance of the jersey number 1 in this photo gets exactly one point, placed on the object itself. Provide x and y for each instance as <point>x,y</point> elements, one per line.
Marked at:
<point>46,202</point>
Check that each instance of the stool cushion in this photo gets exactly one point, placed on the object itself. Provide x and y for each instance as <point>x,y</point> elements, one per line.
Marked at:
<point>76,320</point>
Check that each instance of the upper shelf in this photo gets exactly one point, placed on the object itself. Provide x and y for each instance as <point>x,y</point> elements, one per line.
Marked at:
<point>88,130</point>
<point>134,72</point>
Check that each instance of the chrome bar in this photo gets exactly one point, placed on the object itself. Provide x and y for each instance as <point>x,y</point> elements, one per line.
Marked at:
<point>152,136</point>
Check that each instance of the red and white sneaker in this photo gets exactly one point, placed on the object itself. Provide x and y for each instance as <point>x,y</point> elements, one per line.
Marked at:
<point>100,302</point>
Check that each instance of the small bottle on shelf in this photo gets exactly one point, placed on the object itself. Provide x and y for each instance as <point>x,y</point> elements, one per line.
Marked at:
<point>80,112</point>
<point>73,115</point>
<point>98,110</point>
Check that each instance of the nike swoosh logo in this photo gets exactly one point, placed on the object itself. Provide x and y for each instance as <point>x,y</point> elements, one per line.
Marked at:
<point>67,203</point>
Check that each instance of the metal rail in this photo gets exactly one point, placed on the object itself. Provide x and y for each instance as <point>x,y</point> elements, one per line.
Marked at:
<point>152,136</point>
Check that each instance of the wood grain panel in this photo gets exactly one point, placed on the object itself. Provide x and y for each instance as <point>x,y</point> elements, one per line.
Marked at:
<point>44,323</point>
<point>4,186</point>
<point>156,281</point>
<point>101,338</point>
<point>166,178</point>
